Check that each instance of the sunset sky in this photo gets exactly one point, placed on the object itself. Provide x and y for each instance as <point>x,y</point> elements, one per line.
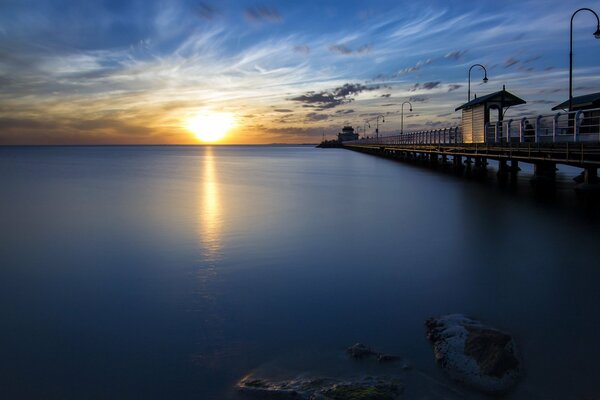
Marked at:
<point>75,72</point>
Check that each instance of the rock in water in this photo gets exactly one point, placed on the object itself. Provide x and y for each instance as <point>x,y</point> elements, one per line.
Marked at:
<point>366,388</point>
<point>475,354</point>
<point>360,351</point>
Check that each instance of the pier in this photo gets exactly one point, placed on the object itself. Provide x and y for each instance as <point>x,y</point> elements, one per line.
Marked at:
<point>564,138</point>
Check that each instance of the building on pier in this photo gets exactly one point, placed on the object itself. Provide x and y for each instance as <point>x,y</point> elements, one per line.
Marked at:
<point>347,134</point>
<point>476,113</point>
<point>589,105</point>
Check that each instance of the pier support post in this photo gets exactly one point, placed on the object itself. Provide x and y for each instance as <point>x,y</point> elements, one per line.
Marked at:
<point>457,163</point>
<point>514,167</point>
<point>544,174</point>
<point>589,188</point>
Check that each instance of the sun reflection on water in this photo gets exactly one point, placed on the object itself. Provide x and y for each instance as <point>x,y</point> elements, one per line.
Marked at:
<point>210,212</point>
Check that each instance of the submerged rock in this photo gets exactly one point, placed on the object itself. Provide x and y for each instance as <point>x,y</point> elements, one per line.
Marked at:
<point>360,351</point>
<point>475,354</point>
<point>364,388</point>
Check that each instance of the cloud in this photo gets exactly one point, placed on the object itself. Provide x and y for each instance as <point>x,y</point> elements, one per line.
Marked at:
<point>302,49</point>
<point>510,62</point>
<point>418,99</point>
<point>283,110</point>
<point>260,14</point>
<point>456,55</point>
<point>453,87</point>
<point>316,116</point>
<point>415,68</point>
<point>386,95</point>
<point>347,51</point>
<point>332,98</point>
<point>350,111</point>
<point>425,86</point>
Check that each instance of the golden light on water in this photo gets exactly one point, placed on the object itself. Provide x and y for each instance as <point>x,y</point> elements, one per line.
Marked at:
<point>210,208</point>
<point>210,127</point>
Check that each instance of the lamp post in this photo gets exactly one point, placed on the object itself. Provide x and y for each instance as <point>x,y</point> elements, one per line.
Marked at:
<point>485,78</point>
<point>365,127</point>
<point>377,128</point>
<point>596,35</point>
<point>402,115</point>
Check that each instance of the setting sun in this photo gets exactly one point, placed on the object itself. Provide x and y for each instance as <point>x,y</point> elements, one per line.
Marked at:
<point>210,127</point>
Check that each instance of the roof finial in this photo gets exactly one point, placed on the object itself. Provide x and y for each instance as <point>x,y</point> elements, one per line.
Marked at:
<point>504,87</point>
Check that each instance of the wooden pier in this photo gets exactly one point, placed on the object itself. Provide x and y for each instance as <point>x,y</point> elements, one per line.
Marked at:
<point>564,138</point>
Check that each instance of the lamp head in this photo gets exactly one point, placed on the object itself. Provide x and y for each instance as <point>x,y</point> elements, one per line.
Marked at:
<point>410,109</point>
<point>485,79</point>
<point>597,33</point>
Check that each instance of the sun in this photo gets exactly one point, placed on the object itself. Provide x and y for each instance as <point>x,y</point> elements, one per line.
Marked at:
<point>210,127</point>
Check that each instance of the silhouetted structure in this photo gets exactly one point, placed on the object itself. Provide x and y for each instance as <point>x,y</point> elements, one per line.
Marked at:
<point>347,134</point>
<point>476,113</point>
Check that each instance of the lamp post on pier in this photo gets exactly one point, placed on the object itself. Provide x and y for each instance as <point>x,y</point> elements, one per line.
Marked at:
<point>485,79</point>
<point>596,35</point>
<point>365,127</point>
<point>402,115</point>
<point>377,128</point>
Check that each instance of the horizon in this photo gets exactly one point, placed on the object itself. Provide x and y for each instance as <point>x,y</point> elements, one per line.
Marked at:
<point>274,73</point>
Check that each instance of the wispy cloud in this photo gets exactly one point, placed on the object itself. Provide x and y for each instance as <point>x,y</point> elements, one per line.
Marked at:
<point>147,67</point>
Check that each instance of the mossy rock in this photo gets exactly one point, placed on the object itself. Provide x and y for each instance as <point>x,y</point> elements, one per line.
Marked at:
<point>357,392</point>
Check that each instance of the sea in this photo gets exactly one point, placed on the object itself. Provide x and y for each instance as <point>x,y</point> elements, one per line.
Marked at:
<point>172,272</point>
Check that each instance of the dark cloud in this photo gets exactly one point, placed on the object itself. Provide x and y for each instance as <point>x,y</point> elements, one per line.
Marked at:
<point>424,86</point>
<point>316,116</point>
<point>386,95</point>
<point>453,87</point>
<point>332,98</point>
<point>347,51</point>
<point>262,14</point>
<point>418,99</point>
<point>510,62</point>
<point>415,67</point>
<point>344,111</point>
<point>456,55</point>
<point>283,110</point>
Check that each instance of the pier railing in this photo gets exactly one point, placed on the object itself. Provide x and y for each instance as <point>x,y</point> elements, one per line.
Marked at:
<point>435,136</point>
<point>575,126</point>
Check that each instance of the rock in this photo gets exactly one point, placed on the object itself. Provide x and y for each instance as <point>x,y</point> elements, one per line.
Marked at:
<point>364,388</point>
<point>475,354</point>
<point>386,358</point>
<point>360,351</point>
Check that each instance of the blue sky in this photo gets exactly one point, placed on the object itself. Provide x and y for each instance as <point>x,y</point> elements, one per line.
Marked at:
<point>134,72</point>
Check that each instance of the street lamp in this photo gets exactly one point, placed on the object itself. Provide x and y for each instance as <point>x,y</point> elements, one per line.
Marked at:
<point>365,127</point>
<point>377,128</point>
<point>485,78</point>
<point>596,35</point>
<point>402,115</point>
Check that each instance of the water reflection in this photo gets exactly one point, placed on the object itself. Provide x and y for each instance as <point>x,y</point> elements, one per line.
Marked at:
<point>210,211</point>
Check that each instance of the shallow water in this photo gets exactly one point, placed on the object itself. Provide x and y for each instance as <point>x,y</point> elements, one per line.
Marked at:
<point>171,272</point>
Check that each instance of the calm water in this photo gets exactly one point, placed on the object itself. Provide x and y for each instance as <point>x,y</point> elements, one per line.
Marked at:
<point>170,272</point>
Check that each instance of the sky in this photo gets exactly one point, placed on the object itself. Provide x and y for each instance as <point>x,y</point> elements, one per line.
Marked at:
<point>136,72</point>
